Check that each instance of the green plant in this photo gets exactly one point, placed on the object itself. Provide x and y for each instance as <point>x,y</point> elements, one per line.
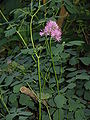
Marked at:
<point>56,73</point>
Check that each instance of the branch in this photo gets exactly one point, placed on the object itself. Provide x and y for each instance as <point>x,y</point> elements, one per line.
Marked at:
<point>32,95</point>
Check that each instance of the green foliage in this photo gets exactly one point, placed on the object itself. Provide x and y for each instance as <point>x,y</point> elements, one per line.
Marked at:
<point>19,66</point>
<point>87,85</point>
<point>60,100</point>
<point>10,32</point>
<point>58,115</point>
<point>85,60</point>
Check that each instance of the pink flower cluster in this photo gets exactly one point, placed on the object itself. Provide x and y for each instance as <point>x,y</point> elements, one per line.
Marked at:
<point>52,29</point>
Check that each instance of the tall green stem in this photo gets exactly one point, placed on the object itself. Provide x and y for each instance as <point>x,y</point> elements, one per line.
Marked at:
<point>54,68</point>
<point>60,74</point>
<point>31,34</point>
<point>40,89</point>
<point>38,68</point>
<point>22,39</point>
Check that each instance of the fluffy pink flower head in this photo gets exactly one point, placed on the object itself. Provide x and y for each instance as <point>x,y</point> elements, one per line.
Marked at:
<point>52,29</point>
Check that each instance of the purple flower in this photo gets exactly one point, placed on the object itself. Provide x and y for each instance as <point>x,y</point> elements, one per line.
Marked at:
<point>41,33</point>
<point>52,29</point>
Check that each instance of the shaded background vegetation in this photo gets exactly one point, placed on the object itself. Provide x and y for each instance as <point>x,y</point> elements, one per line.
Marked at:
<point>72,61</point>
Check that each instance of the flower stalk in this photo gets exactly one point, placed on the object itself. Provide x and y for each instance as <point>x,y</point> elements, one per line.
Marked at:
<point>35,52</point>
<point>54,68</point>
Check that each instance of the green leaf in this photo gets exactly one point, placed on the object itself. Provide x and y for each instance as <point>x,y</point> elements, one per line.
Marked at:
<point>9,80</point>
<point>16,88</point>
<point>73,61</point>
<point>51,102</point>
<point>56,58</point>
<point>10,116</point>
<point>45,116</point>
<point>14,64</point>
<point>58,49</point>
<point>58,115</point>
<point>71,69</point>
<point>83,76</point>
<point>27,51</point>
<point>87,95</point>
<point>87,112</point>
<point>70,116</point>
<point>74,105</point>
<point>80,92</point>
<point>85,60</point>
<point>77,43</point>
<point>79,114</point>
<point>3,42</point>
<point>44,95</point>
<point>73,79</point>
<point>21,67</point>
<point>2,77</point>
<point>70,7</point>
<point>60,100</point>
<point>24,113</point>
<point>63,90</point>
<point>71,85</point>
<point>64,57</point>
<point>10,32</point>
<point>72,74</point>
<point>23,117</point>
<point>70,93</point>
<point>25,100</point>
<point>87,85</point>
<point>57,69</point>
<point>12,98</point>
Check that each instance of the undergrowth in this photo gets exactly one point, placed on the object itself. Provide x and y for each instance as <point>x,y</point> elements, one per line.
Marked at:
<point>40,78</point>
